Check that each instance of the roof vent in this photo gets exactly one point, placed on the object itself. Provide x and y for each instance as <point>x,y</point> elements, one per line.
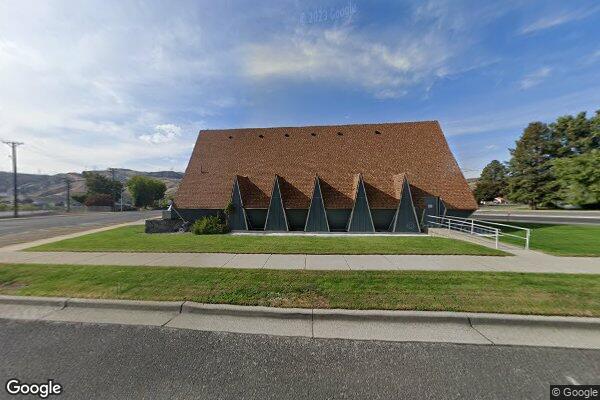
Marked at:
<point>261,136</point>
<point>377,133</point>
<point>287,135</point>
<point>340,134</point>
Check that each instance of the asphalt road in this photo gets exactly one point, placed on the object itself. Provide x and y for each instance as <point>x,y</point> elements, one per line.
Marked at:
<point>132,362</point>
<point>19,230</point>
<point>542,217</point>
<point>9,214</point>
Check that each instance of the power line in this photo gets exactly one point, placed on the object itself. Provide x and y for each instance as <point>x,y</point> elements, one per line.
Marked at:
<point>14,146</point>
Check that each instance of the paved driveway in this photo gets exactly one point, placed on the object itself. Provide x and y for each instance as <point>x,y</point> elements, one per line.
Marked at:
<point>26,229</point>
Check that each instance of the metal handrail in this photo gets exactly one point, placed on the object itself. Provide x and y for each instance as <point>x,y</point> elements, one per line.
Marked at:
<point>469,226</point>
<point>470,222</point>
<point>527,237</point>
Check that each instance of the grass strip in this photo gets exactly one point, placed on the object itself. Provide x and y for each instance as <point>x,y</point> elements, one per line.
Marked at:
<point>559,240</point>
<point>496,292</point>
<point>133,239</point>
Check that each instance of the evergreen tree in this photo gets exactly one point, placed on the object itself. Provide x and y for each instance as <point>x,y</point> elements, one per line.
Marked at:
<point>595,131</point>
<point>492,183</point>
<point>575,134</point>
<point>579,179</point>
<point>531,179</point>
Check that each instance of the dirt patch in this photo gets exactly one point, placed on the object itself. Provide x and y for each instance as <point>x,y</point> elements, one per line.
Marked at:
<point>11,287</point>
<point>305,300</point>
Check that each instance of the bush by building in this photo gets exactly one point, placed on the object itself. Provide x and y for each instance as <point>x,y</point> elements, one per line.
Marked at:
<point>210,225</point>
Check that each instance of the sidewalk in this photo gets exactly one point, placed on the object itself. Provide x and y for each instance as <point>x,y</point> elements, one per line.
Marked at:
<point>522,261</point>
<point>411,326</point>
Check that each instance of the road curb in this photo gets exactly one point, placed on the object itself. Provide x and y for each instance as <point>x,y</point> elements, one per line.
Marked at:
<point>245,311</point>
<point>534,320</point>
<point>140,305</point>
<point>34,301</point>
<point>391,316</point>
<point>433,317</point>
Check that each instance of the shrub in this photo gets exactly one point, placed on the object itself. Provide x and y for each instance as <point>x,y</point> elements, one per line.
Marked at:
<point>209,226</point>
<point>229,209</point>
<point>79,197</point>
<point>164,202</point>
<point>99,199</point>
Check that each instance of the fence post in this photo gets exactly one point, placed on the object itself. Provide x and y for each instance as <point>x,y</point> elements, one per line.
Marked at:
<point>449,225</point>
<point>472,226</point>
<point>528,232</point>
<point>496,238</point>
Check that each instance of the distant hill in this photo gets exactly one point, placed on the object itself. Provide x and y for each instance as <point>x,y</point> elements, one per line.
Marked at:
<point>52,188</point>
<point>472,182</point>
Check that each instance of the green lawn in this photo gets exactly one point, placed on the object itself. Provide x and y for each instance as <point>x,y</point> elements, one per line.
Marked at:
<point>560,240</point>
<point>133,239</point>
<point>498,292</point>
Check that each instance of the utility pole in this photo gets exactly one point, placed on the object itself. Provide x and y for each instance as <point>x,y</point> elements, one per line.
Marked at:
<point>114,197</point>
<point>122,190</point>
<point>14,145</point>
<point>68,199</point>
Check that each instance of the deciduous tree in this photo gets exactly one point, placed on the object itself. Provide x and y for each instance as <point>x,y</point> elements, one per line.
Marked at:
<point>146,191</point>
<point>99,184</point>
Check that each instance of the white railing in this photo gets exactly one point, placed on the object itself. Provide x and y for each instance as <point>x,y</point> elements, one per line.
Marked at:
<point>527,231</point>
<point>465,225</point>
<point>479,228</point>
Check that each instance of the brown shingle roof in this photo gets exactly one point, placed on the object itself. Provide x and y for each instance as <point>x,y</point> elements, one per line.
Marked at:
<point>399,184</point>
<point>335,153</point>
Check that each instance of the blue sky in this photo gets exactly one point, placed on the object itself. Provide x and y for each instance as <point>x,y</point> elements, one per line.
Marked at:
<point>96,84</point>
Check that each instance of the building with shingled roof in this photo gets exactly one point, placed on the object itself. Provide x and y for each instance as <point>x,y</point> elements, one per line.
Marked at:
<point>339,178</point>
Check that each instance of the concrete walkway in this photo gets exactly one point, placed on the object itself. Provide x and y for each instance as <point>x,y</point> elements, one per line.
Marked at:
<point>519,261</point>
<point>522,261</point>
<point>423,326</point>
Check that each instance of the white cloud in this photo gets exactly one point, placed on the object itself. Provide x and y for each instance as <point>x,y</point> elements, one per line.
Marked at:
<point>556,19</point>
<point>82,85</point>
<point>86,84</point>
<point>535,78</point>
<point>341,54</point>
<point>162,134</point>
<point>425,45</point>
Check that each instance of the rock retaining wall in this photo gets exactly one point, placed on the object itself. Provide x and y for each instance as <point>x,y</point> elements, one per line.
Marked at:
<point>163,225</point>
